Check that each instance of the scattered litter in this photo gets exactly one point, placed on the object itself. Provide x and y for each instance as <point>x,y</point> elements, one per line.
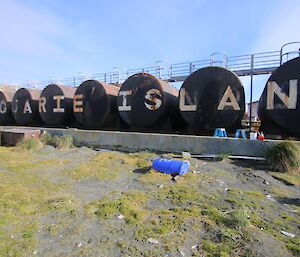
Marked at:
<point>269,197</point>
<point>221,182</point>
<point>121,216</point>
<point>78,245</point>
<point>153,241</point>
<point>294,211</point>
<point>194,247</point>
<point>195,172</point>
<point>11,236</point>
<point>182,253</point>
<point>202,164</point>
<point>35,252</point>
<point>287,234</point>
<point>175,178</point>
<point>226,189</point>
<point>288,207</point>
<point>70,201</point>
<point>161,186</point>
<point>266,182</point>
<point>60,236</point>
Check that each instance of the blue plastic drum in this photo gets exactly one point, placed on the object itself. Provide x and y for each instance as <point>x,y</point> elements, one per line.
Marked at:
<point>173,167</point>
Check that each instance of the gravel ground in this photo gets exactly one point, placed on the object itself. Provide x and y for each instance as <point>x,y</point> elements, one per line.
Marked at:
<point>109,203</point>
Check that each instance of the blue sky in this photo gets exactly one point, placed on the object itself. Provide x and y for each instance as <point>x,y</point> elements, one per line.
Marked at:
<point>55,38</point>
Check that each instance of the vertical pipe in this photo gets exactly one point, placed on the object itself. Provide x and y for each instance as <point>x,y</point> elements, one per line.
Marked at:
<point>251,91</point>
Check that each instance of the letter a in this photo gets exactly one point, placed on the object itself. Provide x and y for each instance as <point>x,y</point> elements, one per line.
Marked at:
<point>27,107</point>
<point>232,103</point>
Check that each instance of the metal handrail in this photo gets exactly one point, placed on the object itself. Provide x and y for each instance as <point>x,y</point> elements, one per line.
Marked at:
<point>263,63</point>
<point>287,53</point>
<point>223,61</point>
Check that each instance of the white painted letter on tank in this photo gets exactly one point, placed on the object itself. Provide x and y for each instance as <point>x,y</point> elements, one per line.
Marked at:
<point>42,103</point>
<point>231,103</point>
<point>124,106</point>
<point>27,107</point>
<point>182,104</point>
<point>290,101</point>
<point>3,107</point>
<point>151,96</point>
<point>58,99</point>
<point>78,103</point>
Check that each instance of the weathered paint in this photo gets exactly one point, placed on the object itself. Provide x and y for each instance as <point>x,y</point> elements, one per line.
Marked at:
<point>56,104</point>
<point>147,102</point>
<point>212,97</point>
<point>278,106</point>
<point>25,106</point>
<point>289,101</point>
<point>6,97</point>
<point>95,104</point>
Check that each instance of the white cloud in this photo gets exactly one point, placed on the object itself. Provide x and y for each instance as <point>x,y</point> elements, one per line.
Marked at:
<point>26,31</point>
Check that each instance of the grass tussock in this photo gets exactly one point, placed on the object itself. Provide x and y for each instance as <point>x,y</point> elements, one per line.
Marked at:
<point>63,142</point>
<point>284,157</point>
<point>31,144</point>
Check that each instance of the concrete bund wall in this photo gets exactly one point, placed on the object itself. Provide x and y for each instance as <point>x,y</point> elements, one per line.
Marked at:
<point>133,141</point>
<point>165,142</point>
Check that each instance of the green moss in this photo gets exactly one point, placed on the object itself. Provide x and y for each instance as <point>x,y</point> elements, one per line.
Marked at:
<point>213,213</point>
<point>25,195</point>
<point>294,246</point>
<point>215,249</point>
<point>256,194</point>
<point>238,218</point>
<point>287,217</point>
<point>109,165</point>
<point>290,179</point>
<point>228,236</point>
<point>280,191</point>
<point>224,156</point>
<point>162,223</point>
<point>129,204</point>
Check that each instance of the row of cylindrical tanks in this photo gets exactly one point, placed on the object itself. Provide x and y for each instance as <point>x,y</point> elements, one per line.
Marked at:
<point>209,98</point>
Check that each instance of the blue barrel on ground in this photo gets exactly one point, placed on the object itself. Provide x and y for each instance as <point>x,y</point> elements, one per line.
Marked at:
<point>174,167</point>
